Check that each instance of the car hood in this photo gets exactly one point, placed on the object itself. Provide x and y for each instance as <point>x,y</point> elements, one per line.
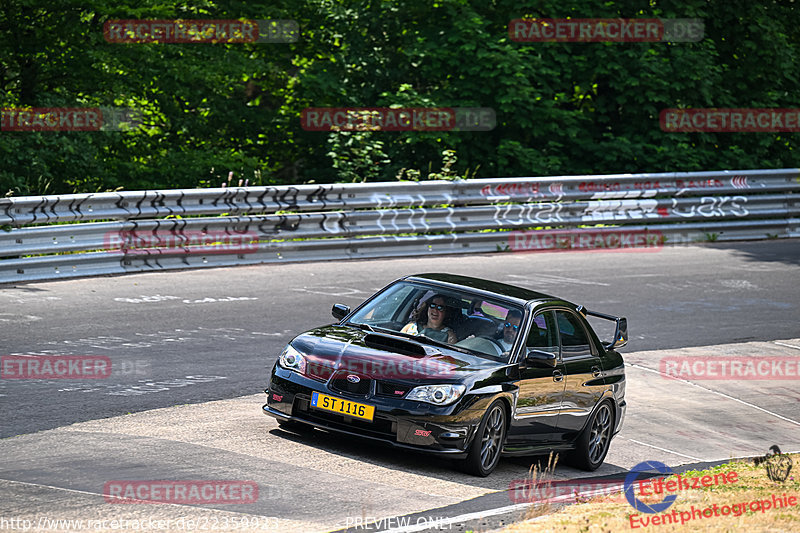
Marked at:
<point>384,356</point>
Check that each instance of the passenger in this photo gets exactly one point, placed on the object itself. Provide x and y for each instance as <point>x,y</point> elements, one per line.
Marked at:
<point>510,329</point>
<point>430,321</point>
<point>475,308</point>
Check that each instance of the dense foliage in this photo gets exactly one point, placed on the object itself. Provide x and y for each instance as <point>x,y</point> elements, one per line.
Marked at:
<point>562,108</point>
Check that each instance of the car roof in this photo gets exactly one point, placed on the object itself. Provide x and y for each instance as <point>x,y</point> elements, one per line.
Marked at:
<point>494,287</point>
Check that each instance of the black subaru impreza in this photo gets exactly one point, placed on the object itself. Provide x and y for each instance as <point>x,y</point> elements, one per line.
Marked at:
<point>458,366</point>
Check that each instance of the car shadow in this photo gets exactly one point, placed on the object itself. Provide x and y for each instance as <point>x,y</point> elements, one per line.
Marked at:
<point>509,472</point>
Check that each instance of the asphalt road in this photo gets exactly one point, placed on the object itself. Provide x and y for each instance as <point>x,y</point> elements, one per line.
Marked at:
<point>187,337</point>
<point>179,340</point>
<point>321,482</point>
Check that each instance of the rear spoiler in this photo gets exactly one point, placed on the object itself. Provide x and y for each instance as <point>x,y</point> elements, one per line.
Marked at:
<point>621,332</point>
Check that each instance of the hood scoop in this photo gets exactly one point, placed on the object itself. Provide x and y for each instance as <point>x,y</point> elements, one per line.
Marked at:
<point>398,345</point>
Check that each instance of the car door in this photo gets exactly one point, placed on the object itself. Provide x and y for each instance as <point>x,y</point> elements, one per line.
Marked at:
<point>583,373</point>
<point>541,388</point>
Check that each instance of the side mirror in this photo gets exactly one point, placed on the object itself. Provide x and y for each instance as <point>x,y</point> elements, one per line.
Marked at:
<point>541,359</point>
<point>339,311</point>
<point>620,335</point>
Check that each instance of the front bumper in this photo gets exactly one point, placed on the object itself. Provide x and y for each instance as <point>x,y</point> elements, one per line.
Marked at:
<point>446,430</point>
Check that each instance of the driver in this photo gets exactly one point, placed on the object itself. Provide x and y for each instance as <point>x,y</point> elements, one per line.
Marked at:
<point>510,329</point>
<point>430,321</point>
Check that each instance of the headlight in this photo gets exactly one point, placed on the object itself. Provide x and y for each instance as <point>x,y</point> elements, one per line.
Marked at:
<point>436,394</point>
<point>291,359</point>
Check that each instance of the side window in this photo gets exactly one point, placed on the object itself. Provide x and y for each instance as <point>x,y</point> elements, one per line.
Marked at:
<point>542,335</point>
<point>573,336</point>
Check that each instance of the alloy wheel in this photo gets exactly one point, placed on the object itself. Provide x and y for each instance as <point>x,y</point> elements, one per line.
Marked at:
<point>492,438</point>
<point>600,433</point>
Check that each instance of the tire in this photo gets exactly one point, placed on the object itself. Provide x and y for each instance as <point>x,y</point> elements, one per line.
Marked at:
<point>593,443</point>
<point>484,451</point>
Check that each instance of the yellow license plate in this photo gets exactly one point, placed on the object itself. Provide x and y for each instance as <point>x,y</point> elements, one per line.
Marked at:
<point>342,407</point>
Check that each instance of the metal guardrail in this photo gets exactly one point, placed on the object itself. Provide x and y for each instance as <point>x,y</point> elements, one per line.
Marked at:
<point>129,231</point>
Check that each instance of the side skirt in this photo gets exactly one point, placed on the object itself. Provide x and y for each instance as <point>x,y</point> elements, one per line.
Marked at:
<point>542,449</point>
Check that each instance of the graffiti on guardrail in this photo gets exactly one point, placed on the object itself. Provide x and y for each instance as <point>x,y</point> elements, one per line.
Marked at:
<point>600,189</point>
<point>616,209</point>
<point>509,190</point>
<point>713,206</point>
<point>160,230</point>
<point>706,206</point>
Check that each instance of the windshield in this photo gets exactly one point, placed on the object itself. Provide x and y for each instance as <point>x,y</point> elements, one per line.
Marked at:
<point>484,326</point>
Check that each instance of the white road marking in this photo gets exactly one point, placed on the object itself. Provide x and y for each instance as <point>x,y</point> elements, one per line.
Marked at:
<point>18,318</point>
<point>787,345</point>
<point>665,450</point>
<point>795,422</point>
<point>737,284</point>
<point>224,299</point>
<point>143,386</point>
<point>333,291</point>
<point>440,523</point>
<point>547,278</point>
<point>142,299</point>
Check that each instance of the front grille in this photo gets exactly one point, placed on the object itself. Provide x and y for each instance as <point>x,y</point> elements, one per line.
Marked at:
<point>390,389</point>
<point>379,427</point>
<point>319,370</point>
<point>342,384</point>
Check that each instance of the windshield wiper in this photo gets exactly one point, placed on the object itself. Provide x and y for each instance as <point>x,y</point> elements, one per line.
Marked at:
<point>361,326</point>
<point>433,341</point>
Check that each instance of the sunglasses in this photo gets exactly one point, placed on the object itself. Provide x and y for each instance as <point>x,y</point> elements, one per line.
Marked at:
<point>436,306</point>
<point>510,325</point>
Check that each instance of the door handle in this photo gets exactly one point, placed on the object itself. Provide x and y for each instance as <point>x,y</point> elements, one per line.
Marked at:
<point>558,376</point>
<point>596,372</point>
